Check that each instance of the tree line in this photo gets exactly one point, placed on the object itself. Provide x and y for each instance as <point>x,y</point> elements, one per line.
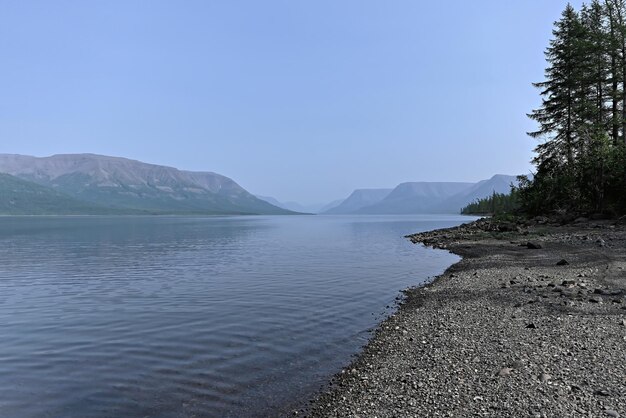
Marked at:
<point>496,204</point>
<point>581,159</point>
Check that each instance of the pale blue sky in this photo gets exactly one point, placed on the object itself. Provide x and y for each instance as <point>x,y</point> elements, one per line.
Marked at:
<point>301,100</point>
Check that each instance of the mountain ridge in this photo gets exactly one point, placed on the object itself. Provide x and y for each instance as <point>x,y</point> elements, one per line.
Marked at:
<point>300,208</point>
<point>122,183</point>
<point>21,197</point>
<point>414,197</point>
<point>499,183</point>
<point>431,197</point>
<point>358,199</point>
<point>106,184</point>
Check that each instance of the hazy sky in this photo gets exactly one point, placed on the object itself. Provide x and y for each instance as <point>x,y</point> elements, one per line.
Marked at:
<point>301,100</point>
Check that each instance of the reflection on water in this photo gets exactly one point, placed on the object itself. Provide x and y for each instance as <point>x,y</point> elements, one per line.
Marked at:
<point>182,316</point>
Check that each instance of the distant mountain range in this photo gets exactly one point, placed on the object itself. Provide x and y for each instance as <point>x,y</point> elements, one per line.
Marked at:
<point>499,183</point>
<point>360,198</point>
<point>96,184</point>
<point>297,207</point>
<point>88,183</point>
<point>421,197</point>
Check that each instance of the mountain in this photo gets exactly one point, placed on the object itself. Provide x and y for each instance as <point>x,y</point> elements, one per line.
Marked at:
<point>120,183</point>
<point>292,206</point>
<point>420,197</point>
<point>271,201</point>
<point>499,183</point>
<point>297,207</point>
<point>21,197</point>
<point>331,205</point>
<point>359,198</point>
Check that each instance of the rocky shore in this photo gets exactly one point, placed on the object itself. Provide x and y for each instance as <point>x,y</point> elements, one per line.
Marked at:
<point>531,323</point>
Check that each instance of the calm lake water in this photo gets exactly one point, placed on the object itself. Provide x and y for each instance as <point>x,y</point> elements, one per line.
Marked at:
<point>183,316</point>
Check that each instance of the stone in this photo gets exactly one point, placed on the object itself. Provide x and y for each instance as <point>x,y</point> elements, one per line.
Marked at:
<point>611,413</point>
<point>544,377</point>
<point>562,262</point>
<point>505,371</point>
<point>533,245</point>
<point>517,365</point>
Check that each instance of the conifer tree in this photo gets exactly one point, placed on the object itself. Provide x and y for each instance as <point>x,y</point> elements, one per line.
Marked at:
<point>616,13</point>
<point>594,54</point>
<point>557,116</point>
<point>581,163</point>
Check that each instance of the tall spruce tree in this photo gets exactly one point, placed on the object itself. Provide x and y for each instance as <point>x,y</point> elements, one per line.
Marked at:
<point>581,163</point>
<point>616,14</point>
<point>557,116</point>
<point>594,55</point>
<point>615,77</point>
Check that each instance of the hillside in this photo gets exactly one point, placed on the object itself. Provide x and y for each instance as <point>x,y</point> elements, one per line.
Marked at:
<point>300,208</point>
<point>359,198</point>
<point>119,183</point>
<point>331,205</point>
<point>499,184</point>
<point>420,197</point>
<point>21,197</point>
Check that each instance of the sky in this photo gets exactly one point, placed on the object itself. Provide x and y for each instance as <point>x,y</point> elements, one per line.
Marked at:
<point>299,100</point>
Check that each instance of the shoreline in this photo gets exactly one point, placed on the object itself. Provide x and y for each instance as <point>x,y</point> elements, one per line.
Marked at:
<point>503,332</point>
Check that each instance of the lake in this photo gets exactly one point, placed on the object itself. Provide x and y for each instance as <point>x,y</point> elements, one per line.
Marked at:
<point>194,316</point>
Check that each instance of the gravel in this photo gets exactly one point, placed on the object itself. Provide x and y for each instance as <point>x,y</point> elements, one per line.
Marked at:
<point>503,333</point>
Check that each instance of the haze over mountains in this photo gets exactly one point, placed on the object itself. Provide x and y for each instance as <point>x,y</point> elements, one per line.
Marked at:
<point>112,184</point>
<point>499,183</point>
<point>96,184</point>
<point>20,197</point>
<point>359,198</point>
<point>297,207</point>
<point>421,197</point>
<point>410,198</point>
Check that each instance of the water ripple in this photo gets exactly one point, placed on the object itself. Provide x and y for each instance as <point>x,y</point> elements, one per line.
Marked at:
<point>182,316</point>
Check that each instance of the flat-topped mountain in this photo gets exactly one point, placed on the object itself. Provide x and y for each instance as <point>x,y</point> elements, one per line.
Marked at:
<point>120,183</point>
<point>418,197</point>
<point>423,197</point>
<point>499,184</point>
